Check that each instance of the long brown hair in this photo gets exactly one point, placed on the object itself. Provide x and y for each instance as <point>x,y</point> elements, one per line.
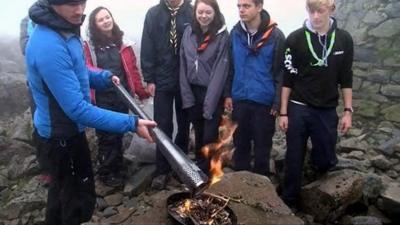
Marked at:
<point>97,37</point>
<point>217,22</point>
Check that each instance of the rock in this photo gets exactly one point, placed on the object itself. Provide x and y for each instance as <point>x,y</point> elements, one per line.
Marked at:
<point>20,167</point>
<point>368,55</point>
<point>260,201</point>
<point>328,197</point>
<point>141,180</point>
<point>101,204</point>
<point>140,150</point>
<point>109,211</point>
<point>390,203</point>
<point>392,174</point>
<point>28,198</point>
<point>380,162</point>
<point>374,17</point>
<point>258,204</point>
<point>392,113</point>
<point>114,199</point>
<point>374,212</point>
<point>373,186</point>
<point>387,29</point>
<point>359,155</point>
<point>391,90</point>
<point>366,108</point>
<point>352,144</point>
<point>22,127</point>
<point>365,220</point>
<point>121,217</point>
<point>353,164</point>
<point>14,98</point>
<point>393,9</point>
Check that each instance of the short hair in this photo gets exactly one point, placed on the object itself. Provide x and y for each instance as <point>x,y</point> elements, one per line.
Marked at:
<point>316,4</point>
<point>258,2</point>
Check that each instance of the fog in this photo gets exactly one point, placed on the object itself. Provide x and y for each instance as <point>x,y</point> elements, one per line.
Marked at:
<point>129,14</point>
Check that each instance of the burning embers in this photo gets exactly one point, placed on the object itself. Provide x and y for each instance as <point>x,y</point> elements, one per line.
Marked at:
<point>206,209</point>
<point>221,151</point>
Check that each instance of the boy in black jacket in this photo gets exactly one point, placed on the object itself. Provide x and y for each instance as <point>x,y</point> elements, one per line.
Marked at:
<point>162,32</point>
<point>318,60</point>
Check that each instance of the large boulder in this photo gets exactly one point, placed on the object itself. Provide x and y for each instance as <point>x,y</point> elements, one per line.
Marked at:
<point>328,197</point>
<point>390,200</point>
<point>254,201</point>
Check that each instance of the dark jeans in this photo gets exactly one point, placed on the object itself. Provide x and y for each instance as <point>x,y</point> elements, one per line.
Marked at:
<point>71,196</point>
<point>206,132</point>
<point>163,115</point>
<point>307,122</point>
<point>255,123</point>
<point>110,153</point>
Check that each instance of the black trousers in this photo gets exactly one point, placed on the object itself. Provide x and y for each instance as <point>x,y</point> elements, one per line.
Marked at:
<point>110,152</point>
<point>71,196</point>
<point>255,123</point>
<point>163,115</point>
<point>307,122</point>
<point>206,132</point>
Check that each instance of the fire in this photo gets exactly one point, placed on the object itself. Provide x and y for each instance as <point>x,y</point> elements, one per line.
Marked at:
<point>220,151</point>
<point>185,208</point>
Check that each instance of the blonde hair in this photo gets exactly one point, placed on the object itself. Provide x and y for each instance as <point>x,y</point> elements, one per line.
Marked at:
<point>316,4</point>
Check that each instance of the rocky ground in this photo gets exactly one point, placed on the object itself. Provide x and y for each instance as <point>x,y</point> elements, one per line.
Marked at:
<point>365,188</point>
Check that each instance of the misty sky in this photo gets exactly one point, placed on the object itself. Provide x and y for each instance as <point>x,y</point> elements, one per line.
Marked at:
<point>129,14</point>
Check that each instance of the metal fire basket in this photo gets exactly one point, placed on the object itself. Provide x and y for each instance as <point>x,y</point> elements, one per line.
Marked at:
<point>189,173</point>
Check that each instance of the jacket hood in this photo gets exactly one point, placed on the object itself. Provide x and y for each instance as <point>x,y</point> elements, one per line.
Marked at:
<point>332,23</point>
<point>42,13</point>
<point>265,18</point>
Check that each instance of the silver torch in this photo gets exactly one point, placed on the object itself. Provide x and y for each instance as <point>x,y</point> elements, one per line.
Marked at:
<point>188,172</point>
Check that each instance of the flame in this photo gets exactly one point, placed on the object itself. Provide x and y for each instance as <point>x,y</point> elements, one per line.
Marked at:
<point>219,152</point>
<point>186,206</point>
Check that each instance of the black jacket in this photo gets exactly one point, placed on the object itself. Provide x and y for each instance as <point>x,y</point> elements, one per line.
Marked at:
<point>160,64</point>
<point>318,85</point>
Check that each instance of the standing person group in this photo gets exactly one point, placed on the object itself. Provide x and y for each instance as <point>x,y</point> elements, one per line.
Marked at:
<point>257,52</point>
<point>318,61</point>
<point>204,64</point>
<point>162,33</point>
<point>194,68</point>
<point>105,49</point>
<point>59,81</point>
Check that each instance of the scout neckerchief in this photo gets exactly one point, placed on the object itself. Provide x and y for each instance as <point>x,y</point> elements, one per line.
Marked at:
<point>265,36</point>
<point>325,53</point>
<point>173,39</point>
<point>203,45</point>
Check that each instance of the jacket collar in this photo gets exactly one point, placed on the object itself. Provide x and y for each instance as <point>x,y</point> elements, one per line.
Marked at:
<point>332,23</point>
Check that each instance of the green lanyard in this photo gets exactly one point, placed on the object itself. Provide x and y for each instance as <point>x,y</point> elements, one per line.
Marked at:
<point>320,62</point>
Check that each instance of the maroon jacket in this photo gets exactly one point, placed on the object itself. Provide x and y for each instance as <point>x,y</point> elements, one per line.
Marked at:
<point>128,59</point>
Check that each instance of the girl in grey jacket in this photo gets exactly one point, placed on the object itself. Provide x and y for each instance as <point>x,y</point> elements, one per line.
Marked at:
<point>204,67</point>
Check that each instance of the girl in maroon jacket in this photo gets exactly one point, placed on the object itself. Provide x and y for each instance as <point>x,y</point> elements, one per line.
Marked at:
<point>105,49</point>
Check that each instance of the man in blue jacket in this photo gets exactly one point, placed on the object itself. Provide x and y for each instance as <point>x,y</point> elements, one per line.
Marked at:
<point>162,33</point>
<point>60,82</point>
<point>256,51</point>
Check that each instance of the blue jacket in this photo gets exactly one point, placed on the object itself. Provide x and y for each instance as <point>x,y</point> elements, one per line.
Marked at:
<point>60,81</point>
<point>257,72</point>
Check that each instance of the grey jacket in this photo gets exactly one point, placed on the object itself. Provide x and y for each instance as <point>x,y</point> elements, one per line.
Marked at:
<point>209,69</point>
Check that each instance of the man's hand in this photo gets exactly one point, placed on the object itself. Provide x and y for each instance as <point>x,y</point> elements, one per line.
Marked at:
<point>151,89</point>
<point>228,105</point>
<point>283,123</point>
<point>115,80</point>
<point>143,129</point>
<point>345,122</point>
